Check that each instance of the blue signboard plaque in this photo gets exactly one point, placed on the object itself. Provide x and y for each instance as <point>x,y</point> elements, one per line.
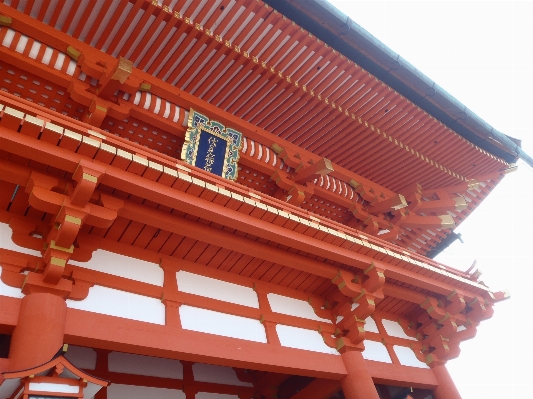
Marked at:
<point>211,146</point>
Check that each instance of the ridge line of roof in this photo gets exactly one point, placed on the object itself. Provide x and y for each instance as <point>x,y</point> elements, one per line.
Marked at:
<point>335,28</point>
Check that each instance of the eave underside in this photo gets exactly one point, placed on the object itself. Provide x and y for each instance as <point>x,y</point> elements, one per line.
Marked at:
<point>261,95</point>
<point>150,133</point>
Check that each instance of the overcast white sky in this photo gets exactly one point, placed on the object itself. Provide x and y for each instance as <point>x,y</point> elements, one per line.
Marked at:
<point>481,53</point>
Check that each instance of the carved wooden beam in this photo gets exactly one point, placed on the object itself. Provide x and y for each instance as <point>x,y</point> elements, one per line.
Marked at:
<point>368,194</point>
<point>306,173</point>
<point>460,188</point>
<point>390,204</point>
<point>291,158</point>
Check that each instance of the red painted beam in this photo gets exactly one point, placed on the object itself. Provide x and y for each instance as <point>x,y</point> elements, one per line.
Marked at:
<point>319,389</point>
<point>114,333</point>
<point>63,159</point>
<point>403,376</point>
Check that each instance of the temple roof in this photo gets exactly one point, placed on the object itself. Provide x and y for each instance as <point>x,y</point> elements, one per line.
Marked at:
<point>253,69</point>
<point>339,31</point>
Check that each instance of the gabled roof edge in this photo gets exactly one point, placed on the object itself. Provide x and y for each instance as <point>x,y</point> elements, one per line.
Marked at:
<point>336,29</point>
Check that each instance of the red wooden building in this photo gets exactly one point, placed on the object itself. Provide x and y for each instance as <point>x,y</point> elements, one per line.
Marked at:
<point>220,199</point>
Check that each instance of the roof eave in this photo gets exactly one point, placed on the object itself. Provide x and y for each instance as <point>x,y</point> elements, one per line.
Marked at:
<point>336,29</point>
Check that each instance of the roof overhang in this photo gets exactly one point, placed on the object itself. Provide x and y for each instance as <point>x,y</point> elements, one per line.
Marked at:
<point>336,29</point>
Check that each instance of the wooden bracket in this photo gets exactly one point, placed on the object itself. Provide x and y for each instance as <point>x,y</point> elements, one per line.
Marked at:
<point>288,157</point>
<point>423,222</point>
<point>292,193</point>
<point>360,303</point>
<point>365,193</point>
<point>390,204</point>
<point>304,174</point>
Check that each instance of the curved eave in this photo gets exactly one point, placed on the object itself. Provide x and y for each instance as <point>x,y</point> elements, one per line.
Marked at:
<point>337,30</point>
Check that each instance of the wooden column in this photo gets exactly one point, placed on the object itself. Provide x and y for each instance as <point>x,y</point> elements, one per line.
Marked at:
<point>102,368</point>
<point>39,332</point>
<point>446,388</point>
<point>358,383</point>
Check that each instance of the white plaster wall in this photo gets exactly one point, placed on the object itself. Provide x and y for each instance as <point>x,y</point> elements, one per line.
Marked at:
<point>145,365</point>
<point>119,391</point>
<point>300,338</point>
<point>123,266</point>
<point>407,357</point>
<point>206,395</point>
<point>292,307</point>
<point>355,305</point>
<point>81,357</point>
<point>7,290</point>
<point>121,304</point>
<point>217,374</point>
<point>90,390</point>
<point>217,323</point>
<point>370,325</point>
<point>394,329</point>
<point>376,351</point>
<point>216,289</point>
<point>7,243</point>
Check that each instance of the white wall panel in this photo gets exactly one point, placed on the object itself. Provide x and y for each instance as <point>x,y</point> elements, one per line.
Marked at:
<point>407,357</point>
<point>81,357</point>
<point>7,290</point>
<point>119,391</point>
<point>370,325</point>
<point>292,307</point>
<point>7,243</point>
<point>376,351</point>
<point>300,338</point>
<point>217,374</point>
<point>217,323</point>
<point>145,365</point>
<point>122,304</point>
<point>394,329</point>
<point>216,289</point>
<point>123,266</point>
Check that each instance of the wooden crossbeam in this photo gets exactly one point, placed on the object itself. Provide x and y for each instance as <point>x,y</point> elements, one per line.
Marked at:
<point>318,389</point>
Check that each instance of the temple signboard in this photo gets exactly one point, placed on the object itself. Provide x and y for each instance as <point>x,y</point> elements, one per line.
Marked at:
<point>211,146</point>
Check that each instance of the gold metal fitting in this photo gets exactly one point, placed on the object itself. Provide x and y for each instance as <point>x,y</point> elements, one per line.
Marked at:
<point>71,51</point>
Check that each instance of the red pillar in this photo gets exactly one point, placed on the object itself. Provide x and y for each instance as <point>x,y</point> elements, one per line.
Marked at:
<point>446,388</point>
<point>39,332</point>
<point>358,383</point>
